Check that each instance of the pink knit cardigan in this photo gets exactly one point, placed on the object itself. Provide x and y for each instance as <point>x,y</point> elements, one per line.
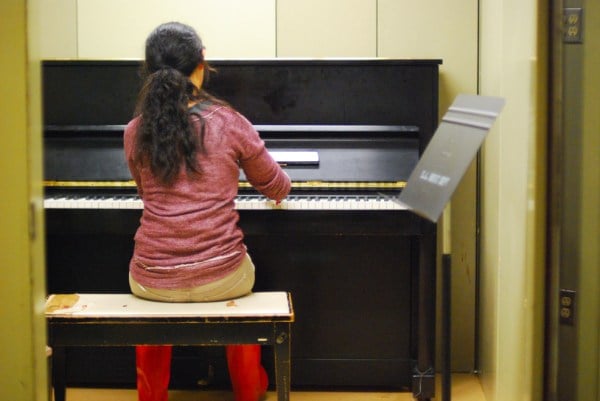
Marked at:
<point>188,233</point>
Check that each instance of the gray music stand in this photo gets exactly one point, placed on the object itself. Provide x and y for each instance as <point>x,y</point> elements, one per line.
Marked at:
<point>431,184</point>
<point>453,147</point>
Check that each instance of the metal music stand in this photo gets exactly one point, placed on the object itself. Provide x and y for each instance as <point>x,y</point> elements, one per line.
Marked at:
<point>440,169</point>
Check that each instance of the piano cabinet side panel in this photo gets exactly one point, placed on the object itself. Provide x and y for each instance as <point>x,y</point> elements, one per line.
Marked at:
<point>352,298</point>
<point>352,293</point>
<point>89,250</point>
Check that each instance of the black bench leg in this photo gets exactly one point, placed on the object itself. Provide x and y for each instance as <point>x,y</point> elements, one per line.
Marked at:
<point>282,353</point>
<point>58,373</point>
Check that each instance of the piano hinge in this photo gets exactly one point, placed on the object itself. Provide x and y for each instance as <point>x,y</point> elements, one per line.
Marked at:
<point>340,185</point>
<point>88,184</point>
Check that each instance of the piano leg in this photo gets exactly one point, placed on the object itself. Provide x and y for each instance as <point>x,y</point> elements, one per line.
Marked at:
<point>59,373</point>
<point>423,383</point>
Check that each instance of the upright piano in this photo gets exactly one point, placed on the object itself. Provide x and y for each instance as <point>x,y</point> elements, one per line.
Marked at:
<point>360,267</point>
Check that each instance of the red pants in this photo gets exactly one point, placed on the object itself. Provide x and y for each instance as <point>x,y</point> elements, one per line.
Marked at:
<point>153,367</point>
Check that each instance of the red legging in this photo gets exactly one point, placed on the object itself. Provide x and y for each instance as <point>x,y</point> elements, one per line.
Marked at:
<point>153,365</point>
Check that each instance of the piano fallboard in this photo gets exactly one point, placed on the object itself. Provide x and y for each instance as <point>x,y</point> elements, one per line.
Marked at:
<point>326,153</point>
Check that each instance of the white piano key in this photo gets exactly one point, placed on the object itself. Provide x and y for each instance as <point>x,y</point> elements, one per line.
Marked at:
<point>243,202</point>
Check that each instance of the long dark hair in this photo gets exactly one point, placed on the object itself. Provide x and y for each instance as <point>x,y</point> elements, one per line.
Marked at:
<point>166,137</point>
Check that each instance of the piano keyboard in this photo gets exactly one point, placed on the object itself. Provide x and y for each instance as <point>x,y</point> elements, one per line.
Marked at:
<point>243,202</point>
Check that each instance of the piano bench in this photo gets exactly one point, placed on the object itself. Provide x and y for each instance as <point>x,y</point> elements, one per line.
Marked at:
<point>79,320</point>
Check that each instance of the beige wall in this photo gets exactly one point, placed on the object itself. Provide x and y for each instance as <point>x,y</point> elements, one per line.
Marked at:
<point>512,58</point>
<point>318,28</point>
<point>59,24</point>
<point>22,338</point>
<point>588,335</point>
<point>404,31</point>
<point>114,29</point>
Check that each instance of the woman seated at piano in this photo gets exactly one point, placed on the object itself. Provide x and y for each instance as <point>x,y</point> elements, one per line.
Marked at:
<point>184,149</point>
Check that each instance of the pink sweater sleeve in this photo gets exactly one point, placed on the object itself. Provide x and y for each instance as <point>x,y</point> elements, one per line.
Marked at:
<point>261,170</point>
<point>267,176</point>
<point>129,145</point>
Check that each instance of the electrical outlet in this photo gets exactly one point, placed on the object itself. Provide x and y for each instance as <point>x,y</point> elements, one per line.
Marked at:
<point>567,307</point>
<point>573,25</point>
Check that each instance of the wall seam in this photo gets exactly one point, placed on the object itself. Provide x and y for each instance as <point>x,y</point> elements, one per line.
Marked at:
<point>376,28</point>
<point>77,50</point>
<point>478,184</point>
<point>276,29</point>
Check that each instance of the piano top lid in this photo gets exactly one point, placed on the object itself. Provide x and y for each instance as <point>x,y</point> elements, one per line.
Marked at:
<point>257,61</point>
<point>367,90</point>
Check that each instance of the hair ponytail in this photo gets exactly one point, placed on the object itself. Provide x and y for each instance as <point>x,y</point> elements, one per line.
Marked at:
<point>166,138</point>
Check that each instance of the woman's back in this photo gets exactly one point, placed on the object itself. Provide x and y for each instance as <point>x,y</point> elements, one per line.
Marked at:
<point>192,221</point>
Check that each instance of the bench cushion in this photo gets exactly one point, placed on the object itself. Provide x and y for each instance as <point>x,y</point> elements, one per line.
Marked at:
<point>255,305</point>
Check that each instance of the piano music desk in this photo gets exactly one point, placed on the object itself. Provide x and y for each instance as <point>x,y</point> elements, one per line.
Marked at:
<point>79,320</point>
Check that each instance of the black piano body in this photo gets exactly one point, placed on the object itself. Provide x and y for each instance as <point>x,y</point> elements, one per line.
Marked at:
<point>361,269</point>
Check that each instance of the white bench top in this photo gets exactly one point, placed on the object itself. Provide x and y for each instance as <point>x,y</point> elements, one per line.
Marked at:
<point>258,304</point>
